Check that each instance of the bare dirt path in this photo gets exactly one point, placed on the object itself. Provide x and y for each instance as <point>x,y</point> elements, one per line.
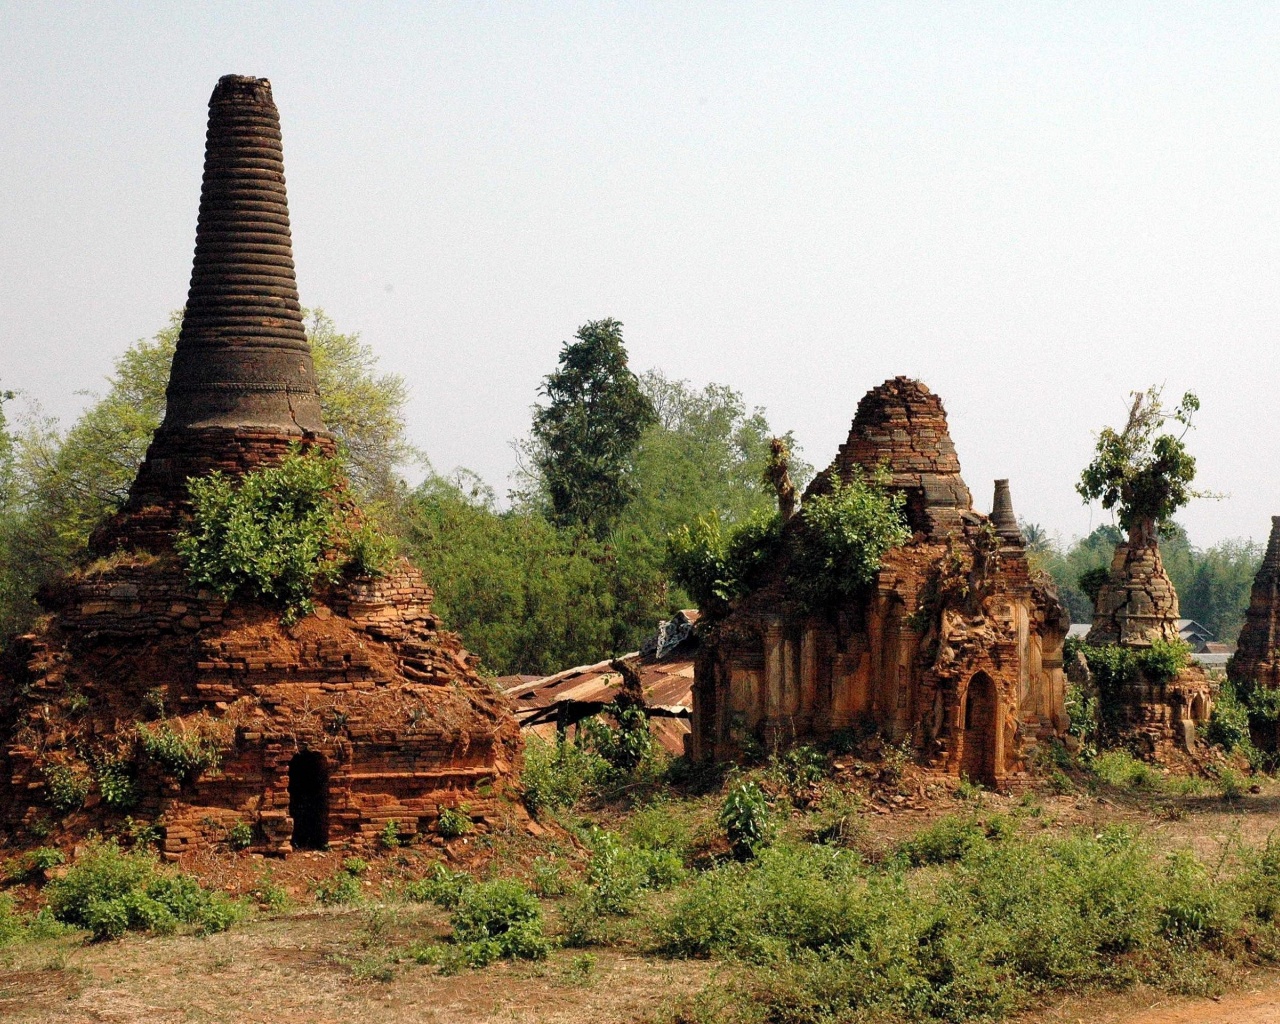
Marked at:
<point>1258,1002</point>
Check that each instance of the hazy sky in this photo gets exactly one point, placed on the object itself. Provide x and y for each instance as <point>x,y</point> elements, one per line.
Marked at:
<point>1035,208</point>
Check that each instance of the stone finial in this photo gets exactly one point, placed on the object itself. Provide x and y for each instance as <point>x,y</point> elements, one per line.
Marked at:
<point>1271,560</point>
<point>1002,517</point>
<point>242,359</point>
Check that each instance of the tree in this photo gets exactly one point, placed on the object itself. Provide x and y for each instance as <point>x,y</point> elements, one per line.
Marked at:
<point>584,439</point>
<point>1143,474</point>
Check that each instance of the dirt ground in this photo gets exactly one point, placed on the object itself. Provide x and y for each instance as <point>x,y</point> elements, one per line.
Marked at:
<point>319,965</point>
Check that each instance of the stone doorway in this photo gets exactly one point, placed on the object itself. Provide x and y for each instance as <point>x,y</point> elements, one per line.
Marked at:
<point>978,760</point>
<point>309,801</point>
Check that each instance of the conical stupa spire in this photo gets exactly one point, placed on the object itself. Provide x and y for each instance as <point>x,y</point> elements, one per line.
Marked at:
<point>242,357</point>
<point>1271,560</point>
<point>242,389</point>
<point>1002,517</point>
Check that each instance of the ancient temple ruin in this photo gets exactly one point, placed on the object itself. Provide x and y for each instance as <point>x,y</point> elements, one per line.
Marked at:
<point>1256,662</point>
<point>1135,606</point>
<point>955,650</point>
<point>364,714</point>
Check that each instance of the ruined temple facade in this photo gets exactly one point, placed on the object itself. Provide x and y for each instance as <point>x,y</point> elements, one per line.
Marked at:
<point>1134,607</point>
<point>362,714</point>
<point>1256,662</point>
<point>955,649</point>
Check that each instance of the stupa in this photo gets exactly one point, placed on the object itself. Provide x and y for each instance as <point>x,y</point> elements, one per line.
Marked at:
<point>1256,662</point>
<point>144,695</point>
<point>955,650</point>
<point>1135,607</point>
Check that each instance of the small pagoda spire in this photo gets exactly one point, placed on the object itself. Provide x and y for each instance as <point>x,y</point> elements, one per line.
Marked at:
<point>1002,516</point>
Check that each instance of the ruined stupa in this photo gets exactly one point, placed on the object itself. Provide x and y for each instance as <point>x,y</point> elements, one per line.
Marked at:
<point>142,694</point>
<point>1256,662</point>
<point>955,650</point>
<point>1136,606</point>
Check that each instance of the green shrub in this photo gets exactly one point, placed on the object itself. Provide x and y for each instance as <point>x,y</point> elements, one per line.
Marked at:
<point>343,887</point>
<point>389,837</point>
<point>109,892</point>
<point>35,863</point>
<point>454,822</point>
<point>548,877</point>
<point>184,755</point>
<point>116,783</point>
<point>273,534</point>
<point>67,787</point>
<point>499,919</point>
<point>270,895</point>
<point>440,886</point>
<point>947,839</point>
<point>1164,659</point>
<point>12,925</point>
<point>627,745</point>
<point>240,836</point>
<point>1122,770</point>
<point>844,533</point>
<point>715,565</point>
<point>558,775</point>
<point>153,704</point>
<point>745,818</point>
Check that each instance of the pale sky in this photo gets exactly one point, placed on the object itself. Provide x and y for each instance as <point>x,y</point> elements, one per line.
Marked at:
<point>1035,208</point>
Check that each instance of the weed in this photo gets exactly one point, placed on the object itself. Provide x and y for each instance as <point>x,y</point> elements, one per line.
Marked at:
<point>153,704</point>
<point>441,886</point>
<point>746,821</point>
<point>389,837</point>
<point>548,877</point>
<point>558,775</point>
<point>343,887</point>
<point>499,919</point>
<point>270,896</point>
<point>240,836</point>
<point>454,822</point>
<point>109,892</point>
<point>184,755</point>
<point>115,782</point>
<point>67,787</point>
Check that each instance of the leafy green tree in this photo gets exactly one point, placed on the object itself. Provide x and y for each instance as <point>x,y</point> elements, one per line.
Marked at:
<point>584,439</point>
<point>1143,474</point>
<point>525,596</point>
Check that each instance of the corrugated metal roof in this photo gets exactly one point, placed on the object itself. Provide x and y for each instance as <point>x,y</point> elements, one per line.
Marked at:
<point>541,704</point>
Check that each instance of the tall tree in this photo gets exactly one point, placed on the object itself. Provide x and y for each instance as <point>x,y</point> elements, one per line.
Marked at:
<point>584,439</point>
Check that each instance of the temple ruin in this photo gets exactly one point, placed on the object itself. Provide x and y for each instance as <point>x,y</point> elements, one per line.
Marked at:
<point>363,714</point>
<point>1256,662</point>
<point>955,650</point>
<point>1134,607</point>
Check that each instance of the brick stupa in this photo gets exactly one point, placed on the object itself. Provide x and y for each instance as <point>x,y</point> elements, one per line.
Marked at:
<point>954,650</point>
<point>1256,662</point>
<point>360,715</point>
<point>1136,606</point>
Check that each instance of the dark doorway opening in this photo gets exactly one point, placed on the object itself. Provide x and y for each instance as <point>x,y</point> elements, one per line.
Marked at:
<point>309,801</point>
<point>980,723</point>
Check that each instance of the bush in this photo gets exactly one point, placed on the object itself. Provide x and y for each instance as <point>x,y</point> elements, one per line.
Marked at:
<point>67,787</point>
<point>558,775</point>
<point>274,533</point>
<point>389,837</point>
<point>441,886</point>
<point>715,565</point>
<point>844,533</point>
<point>499,919</point>
<point>343,887</point>
<point>627,745</point>
<point>454,822</point>
<point>947,839</point>
<point>116,783</point>
<point>184,755</point>
<point>34,863</point>
<point>240,836</point>
<point>12,925</point>
<point>745,818</point>
<point>109,892</point>
<point>972,937</point>
<point>1122,770</point>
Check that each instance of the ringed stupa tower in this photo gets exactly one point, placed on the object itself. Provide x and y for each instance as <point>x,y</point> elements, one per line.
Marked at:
<point>242,387</point>
<point>361,716</point>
